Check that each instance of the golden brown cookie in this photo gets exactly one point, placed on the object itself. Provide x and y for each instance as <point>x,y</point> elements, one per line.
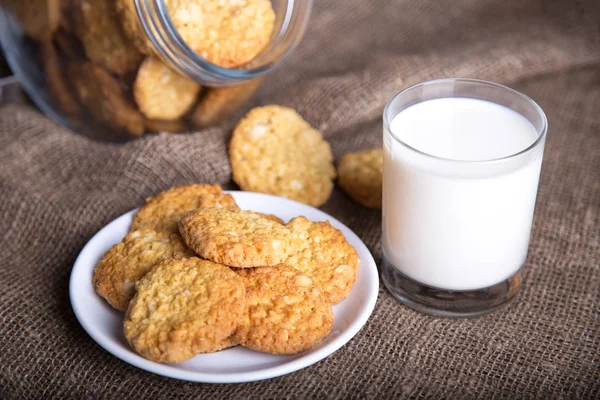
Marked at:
<point>164,211</point>
<point>55,81</point>
<point>162,93</point>
<point>38,18</point>
<point>183,308</point>
<point>130,22</point>
<point>236,238</point>
<point>104,98</point>
<point>285,313</point>
<point>102,37</point>
<point>273,150</point>
<point>326,256</point>
<point>360,175</point>
<point>218,103</point>
<point>229,33</point>
<point>128,261</point>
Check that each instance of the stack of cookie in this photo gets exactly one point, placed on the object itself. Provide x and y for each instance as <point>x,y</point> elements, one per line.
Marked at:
<point>196,274</point>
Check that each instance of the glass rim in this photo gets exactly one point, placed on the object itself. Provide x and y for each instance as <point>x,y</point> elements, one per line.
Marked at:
<point>529,100</point>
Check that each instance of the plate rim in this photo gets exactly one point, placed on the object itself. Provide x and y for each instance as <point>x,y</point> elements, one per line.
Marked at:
<point>168,370</point>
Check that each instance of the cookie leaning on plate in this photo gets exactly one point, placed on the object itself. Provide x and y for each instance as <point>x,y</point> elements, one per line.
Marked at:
<point>273,150</point>
<point>285,312</point>
<point>128,261</point>
<point>183,308</point>
<point>360,175</point>
<point>237,238</point>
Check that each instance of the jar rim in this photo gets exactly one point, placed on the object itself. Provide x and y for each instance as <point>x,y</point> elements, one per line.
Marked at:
<point>161,31</point>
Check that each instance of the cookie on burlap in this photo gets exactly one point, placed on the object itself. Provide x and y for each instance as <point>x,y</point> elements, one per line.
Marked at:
<point>128,261</point>
<point>326,256</point>
<point>236,238</point>
<point>55,80</point>
<point>38,18</point>
<point>285,313</point>
<point>104,98</point>
<point>273,150</point>
<point>218,103</point>
<point>164,211</point>
<point>130,22</point>
<point>102,37</point>
<point>183,308</point>
<point>360,175</point>
<point>162,93</point>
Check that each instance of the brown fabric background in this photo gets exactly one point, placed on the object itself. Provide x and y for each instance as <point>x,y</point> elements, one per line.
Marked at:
<point>57,189</point>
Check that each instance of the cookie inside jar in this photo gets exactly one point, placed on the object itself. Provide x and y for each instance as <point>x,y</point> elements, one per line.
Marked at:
<point>109,72</point>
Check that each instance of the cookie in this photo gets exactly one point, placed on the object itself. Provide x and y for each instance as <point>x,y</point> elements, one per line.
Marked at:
<point>326,256</point>
<point>220,200</point>
<point>104,98</point>
<point>55,81</point>
<point>225,33</point>
<point>39,19</point>
<point>164,211</point>
<point>273,150</point>
<point>103,39</point>
<point>183,308</point>
<point>128,261</point>
<point>360,175</point>
<point>285,312</point>
<point>162,93</point>
<point>132,27</point>
<point>218,103</point>
<point>236,238</point>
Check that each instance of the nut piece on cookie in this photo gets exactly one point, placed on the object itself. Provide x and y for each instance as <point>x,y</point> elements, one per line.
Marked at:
<point>102,37</point>
<point>164,211</point>
<point>183,308</point>
<point>360,175</point>
<point>104,97</point>
<point>237,238</point>
<point>285,313</point>
<point>128,261</point>
<point>326,256</point>
<point>162,93</point>
<point>273,150</point>
<point>38,18</point>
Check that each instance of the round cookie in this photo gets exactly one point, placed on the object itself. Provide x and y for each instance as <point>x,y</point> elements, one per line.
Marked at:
<point>130,22</point>
<point>285,313</point>
<point>236,238</point>
<point>273,150</point>
<point>104,98</point>
<point>162,93</point>
<point>218,103</point>
<point>183,308</point>
<point>164,211</point>
<point>38,18</point>
<point>102,37</point>
<point>128,261</point>
<point>360,175</point>
<point>326,256</point>
<point>225,33</point>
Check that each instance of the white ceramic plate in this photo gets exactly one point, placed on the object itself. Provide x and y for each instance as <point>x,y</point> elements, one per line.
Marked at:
<point>105,324</point>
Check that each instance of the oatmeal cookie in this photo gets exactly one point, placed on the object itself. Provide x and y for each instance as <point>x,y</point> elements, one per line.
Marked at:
<point>183,308</point>
<point>326,256</point>
<point>164,211</point>
<point>162,93</point>
<point>128,261</point>
<point>360,175</point>
<point>285,313</point>
<point>236,238</point>
<point>273,150</point>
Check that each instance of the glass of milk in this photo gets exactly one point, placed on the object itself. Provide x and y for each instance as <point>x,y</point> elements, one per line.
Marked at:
<point>462,161</point>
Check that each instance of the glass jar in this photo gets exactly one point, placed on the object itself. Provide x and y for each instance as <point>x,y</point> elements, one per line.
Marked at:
<point>115,70</point>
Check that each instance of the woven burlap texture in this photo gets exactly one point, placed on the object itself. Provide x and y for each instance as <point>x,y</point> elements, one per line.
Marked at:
<point>57,189</point>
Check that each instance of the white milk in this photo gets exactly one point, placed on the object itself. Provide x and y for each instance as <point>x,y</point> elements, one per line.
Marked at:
<point>451,224</point>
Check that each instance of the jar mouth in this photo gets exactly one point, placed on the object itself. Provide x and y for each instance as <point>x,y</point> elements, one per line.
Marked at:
<point>290,24</point>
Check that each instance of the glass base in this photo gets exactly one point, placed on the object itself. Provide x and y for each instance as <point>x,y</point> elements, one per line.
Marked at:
<point>449,303</point>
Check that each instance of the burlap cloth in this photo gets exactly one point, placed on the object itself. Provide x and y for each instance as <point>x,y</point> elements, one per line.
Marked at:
<point>57,189</point>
